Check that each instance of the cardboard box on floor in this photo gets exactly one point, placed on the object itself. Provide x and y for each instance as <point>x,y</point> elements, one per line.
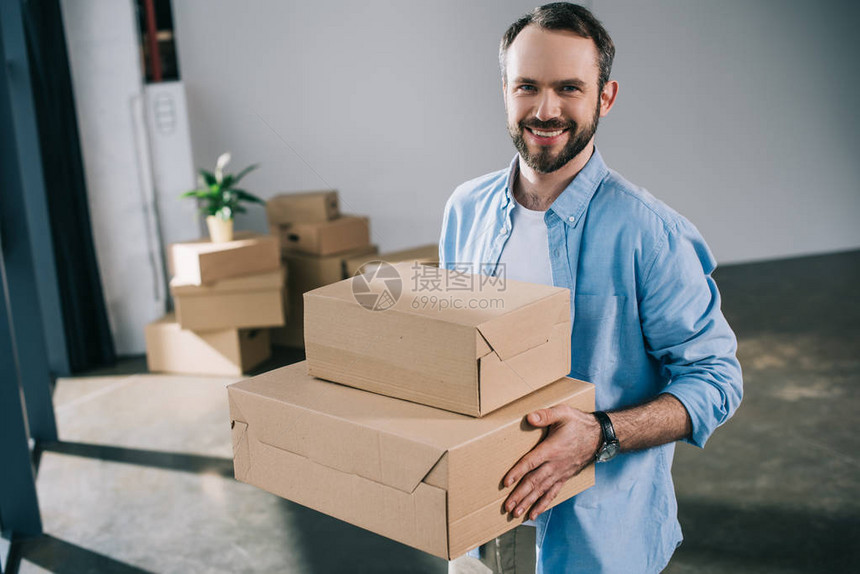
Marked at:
<point>425,477</point>
<point>425,255</point>
<point>303,207</point>
<point>324,238</point>
<point>307,272</point>
<point>469,350</point>
<point>171,349</point>
<point>240,302</point>
<point>203,262</point>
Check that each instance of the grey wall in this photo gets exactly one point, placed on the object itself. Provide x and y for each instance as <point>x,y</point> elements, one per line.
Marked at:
<point>743,116</point>
<point>739,114</point>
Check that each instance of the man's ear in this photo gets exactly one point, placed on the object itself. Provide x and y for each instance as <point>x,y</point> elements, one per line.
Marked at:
<point>505,91</point>
<point>607,97</point>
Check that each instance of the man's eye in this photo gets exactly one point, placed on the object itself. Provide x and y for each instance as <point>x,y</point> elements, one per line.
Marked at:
<point>526,88</point>
<point>569,89</point>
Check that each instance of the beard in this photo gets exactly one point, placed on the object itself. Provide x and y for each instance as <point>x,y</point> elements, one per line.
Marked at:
<point>543,160</point>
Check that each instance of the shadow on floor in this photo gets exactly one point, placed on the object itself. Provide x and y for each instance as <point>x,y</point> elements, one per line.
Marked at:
<point>795,295</point>
<point>325,542</point>
<point>198,464</point>
<point>61,557</point>
<point>775,539</point>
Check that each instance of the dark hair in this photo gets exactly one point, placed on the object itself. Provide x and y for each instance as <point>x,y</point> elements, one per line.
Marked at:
<point>571,17</point>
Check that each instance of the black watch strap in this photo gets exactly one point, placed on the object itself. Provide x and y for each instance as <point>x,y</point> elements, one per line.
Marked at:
<point>610,447</point>
<point>606,426</point>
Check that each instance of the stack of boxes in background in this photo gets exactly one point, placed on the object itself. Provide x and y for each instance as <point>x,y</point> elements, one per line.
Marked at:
<point>315,240</point>
<point>429,413</point>
<point>226,297</point>
<point>320,246</point>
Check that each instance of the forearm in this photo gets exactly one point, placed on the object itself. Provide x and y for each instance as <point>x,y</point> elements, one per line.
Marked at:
<point>659,421</point>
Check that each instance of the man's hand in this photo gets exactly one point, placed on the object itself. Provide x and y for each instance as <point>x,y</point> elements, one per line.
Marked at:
<point>570,446</point>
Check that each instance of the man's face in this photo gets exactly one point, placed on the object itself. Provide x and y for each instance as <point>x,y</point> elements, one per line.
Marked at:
<point>551,96</point>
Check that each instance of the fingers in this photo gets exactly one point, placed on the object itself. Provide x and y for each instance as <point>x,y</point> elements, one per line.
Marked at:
<point>529,462</point>
<point>549,416</point>
<point>530,488</point>
<point>545,500</point>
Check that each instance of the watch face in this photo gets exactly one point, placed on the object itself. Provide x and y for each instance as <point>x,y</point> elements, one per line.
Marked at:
<point>607,452</point>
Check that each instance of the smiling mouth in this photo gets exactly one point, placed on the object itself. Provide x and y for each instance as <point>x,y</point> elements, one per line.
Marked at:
<point>546,134</point>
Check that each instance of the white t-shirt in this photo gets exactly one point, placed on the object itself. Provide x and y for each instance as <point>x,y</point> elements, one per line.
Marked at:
<point>526,253</point>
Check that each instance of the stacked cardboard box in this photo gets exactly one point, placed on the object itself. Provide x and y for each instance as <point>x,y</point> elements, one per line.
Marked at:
<point>226,296</point>
<point>315,240</point>
<point>470,356</point>
<point>423,255</point>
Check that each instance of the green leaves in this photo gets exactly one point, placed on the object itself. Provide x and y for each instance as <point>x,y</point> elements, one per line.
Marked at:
<point>245,172</point>
<point>217,193</point>
<point>245,196</point>
<point>208,177</point>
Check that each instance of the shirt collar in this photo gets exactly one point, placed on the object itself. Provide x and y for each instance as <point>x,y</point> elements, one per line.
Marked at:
<point>571,204</point>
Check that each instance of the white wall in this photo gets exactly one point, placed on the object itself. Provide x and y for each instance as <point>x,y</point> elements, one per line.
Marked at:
<point>392,103</point>
<point>107,78</point>
<point>739,114</point>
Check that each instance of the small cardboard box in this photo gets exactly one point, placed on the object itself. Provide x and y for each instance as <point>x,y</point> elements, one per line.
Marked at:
<point>202,262</point>
<point>425,255</point>
<point>304,207</point>
<point>241,302</point>
<point>171,349</point>
<point>425,477</point>
<point>469,350</point>
<point>307,272</point>
<point>325,238</point>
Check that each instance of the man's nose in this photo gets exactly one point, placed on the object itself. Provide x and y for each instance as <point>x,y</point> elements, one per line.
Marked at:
<point>549,106</point>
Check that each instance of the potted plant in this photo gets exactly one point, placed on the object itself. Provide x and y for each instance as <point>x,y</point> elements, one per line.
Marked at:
<point>221,198</point>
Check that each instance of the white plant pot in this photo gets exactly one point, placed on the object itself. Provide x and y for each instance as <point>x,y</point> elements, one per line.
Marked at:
<point>220,231</point>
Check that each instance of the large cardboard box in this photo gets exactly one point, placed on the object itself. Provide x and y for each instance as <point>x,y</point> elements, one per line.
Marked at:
<point>469,350</point>
<point>241,302</point>
<point>324,238</point>
<point>425,255</point>
<point>422,476</point>
<point>304,207</point>
<point>201,262</point>
<point>171,349</point>
<point>307,272</point>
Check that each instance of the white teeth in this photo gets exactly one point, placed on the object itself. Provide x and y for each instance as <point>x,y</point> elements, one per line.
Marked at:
<point>547,134</point>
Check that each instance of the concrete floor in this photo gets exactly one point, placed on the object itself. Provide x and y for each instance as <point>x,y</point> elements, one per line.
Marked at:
<point>142,478</point>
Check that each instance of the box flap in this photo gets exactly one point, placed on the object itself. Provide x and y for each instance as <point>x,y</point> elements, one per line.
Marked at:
<point>259,282</point>
<point>527,327</point>
<point>505,381</point>
<point>417,519</point>
<point>302,415</point>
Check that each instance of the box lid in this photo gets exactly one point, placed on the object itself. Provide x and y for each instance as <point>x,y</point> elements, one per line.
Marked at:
<point>205,245</point>
<point>257,282</point>
<point>337,426</point>
<point>510,316</point>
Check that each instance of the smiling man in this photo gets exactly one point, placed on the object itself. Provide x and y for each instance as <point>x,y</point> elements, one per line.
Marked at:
<point>647,326</point>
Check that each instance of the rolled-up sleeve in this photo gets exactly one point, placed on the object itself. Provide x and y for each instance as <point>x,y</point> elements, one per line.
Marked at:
<point>685,330</point>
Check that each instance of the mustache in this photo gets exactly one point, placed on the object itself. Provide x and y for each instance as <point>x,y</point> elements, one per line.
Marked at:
<point>548,125</point>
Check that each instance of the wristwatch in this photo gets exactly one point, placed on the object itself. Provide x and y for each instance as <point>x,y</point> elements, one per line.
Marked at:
<point>610,446</point>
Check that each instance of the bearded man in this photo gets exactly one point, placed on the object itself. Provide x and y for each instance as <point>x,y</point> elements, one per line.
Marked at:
<point>647,326</point>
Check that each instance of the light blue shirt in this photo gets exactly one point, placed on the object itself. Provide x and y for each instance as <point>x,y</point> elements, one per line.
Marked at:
<point>646,320</point>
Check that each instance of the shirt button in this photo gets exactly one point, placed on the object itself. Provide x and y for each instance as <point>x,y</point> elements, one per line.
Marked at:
<point>503,230</point>
<point>571,219</point>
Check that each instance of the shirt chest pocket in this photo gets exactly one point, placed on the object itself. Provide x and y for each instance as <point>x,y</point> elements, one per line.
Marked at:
<point>594,340</point>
